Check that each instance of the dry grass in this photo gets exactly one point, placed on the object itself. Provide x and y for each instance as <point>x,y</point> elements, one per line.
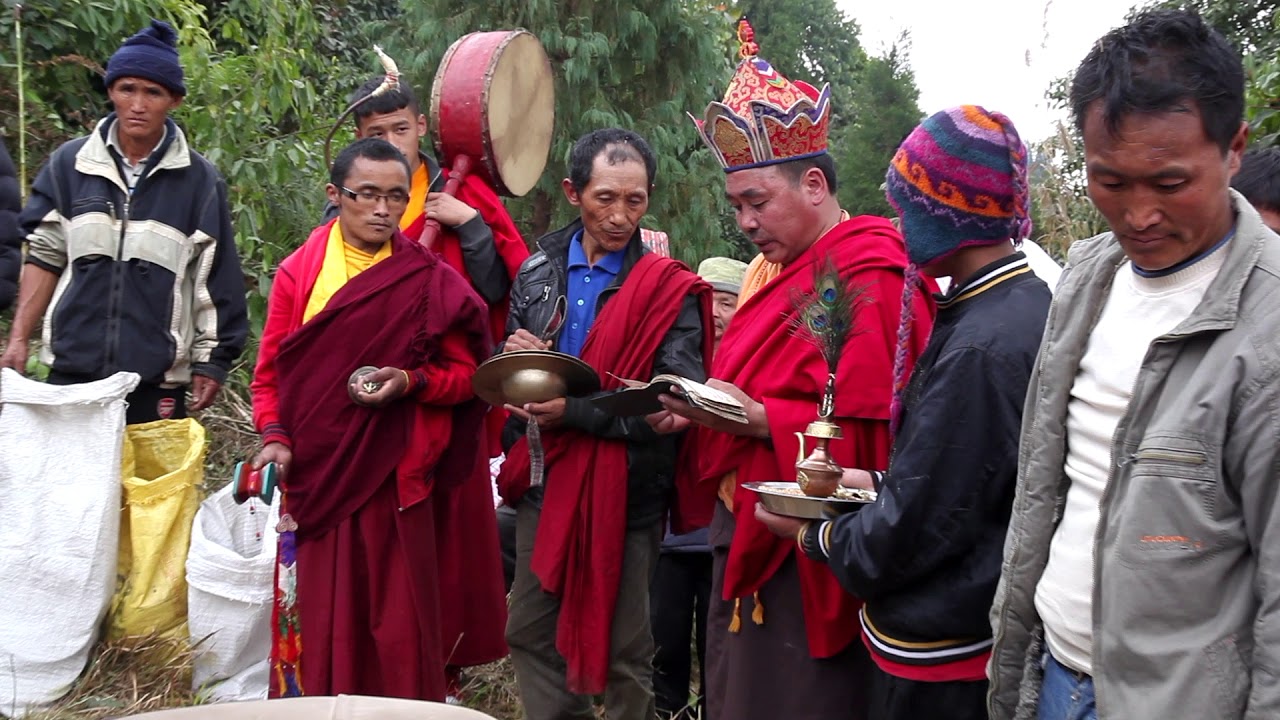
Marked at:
<point>230,432</point>
<point>137,675</point>
<point>491,689</point>
<point>127,677</point>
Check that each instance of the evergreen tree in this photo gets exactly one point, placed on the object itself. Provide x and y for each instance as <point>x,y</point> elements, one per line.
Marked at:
<point>874,98</point>
<point>886,112</point>
<point>637,64</point>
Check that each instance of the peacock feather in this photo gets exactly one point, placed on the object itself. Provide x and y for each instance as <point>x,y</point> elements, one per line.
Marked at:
<point>826,315</point>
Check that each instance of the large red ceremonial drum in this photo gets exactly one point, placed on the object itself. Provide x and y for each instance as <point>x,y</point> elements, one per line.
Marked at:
<point>493,102</point>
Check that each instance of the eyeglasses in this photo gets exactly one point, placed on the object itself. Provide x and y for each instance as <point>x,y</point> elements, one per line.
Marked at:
<point>370,198</point>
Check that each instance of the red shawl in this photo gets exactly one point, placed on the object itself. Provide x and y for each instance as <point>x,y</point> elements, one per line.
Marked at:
<point>761,355</point>
<point>396,313</point>
<point>577,552</point>
<point>510,245</point>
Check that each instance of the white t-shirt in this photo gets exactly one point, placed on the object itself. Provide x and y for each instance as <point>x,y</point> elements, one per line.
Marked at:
<point>1137,311</point>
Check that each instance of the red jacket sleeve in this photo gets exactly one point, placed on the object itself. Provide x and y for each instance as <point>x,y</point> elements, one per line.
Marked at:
<point>265,386</point>
<point>446,379</point>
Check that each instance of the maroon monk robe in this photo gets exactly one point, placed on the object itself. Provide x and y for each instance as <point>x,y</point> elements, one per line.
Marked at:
<point>577,552</point>
<point>361,481</point>
<point>474,617</point>
<point>762,355</point>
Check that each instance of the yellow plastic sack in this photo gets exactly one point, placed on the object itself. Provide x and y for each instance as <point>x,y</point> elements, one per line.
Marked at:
<point>163,471</point>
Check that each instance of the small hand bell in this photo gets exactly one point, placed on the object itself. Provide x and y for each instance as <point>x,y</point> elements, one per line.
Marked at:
<point>357,377</point>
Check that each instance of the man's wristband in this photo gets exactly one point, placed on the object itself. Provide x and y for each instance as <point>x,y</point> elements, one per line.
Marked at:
<point>807,539</point>
<point>804,530</point>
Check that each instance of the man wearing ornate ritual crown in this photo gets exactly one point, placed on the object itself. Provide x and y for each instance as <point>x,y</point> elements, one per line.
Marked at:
<point>783,637</point>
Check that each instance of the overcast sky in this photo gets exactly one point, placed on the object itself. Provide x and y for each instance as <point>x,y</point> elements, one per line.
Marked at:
<point>1002,54</point>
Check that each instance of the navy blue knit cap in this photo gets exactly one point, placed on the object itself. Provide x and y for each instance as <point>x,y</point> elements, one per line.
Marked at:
<point>151,54</point>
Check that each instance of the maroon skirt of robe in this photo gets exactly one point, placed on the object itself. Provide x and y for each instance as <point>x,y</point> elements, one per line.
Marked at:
<point>368,604</point>
<point>473,597</point>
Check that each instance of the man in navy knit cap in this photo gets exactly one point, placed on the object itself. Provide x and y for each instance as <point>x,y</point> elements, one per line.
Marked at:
<point>131,257</point>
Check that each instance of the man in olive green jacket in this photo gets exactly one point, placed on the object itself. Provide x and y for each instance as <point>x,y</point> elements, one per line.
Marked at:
<point>1141,574</point>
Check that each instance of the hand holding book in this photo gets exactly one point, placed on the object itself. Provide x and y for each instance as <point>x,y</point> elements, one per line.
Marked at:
<point>641,398</point>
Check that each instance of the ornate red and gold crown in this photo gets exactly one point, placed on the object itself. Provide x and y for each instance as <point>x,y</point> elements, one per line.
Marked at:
<point>764,118</point>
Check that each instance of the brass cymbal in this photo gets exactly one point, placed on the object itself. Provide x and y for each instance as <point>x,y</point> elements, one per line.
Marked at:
<point>525,376</point>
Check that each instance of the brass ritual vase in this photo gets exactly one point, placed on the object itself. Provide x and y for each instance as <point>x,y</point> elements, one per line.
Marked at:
<point>818,475</point>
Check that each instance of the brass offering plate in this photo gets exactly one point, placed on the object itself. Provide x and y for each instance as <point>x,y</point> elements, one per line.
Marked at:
<point>786,498</point>
<point>525,376</point>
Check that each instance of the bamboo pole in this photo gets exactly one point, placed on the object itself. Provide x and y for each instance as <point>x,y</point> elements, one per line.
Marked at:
<point>22,105</point>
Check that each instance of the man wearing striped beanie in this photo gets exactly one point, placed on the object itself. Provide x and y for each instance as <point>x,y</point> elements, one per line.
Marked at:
<point>926,555</point>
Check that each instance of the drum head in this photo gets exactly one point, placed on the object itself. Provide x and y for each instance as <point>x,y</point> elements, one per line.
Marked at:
<point>520,104</point>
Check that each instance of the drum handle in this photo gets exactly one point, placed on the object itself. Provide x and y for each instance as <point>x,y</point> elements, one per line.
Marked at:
<point>460,170</point>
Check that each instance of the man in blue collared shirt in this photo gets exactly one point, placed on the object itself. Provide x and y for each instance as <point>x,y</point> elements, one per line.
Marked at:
<point>586,282</point>
<point>587,263</point>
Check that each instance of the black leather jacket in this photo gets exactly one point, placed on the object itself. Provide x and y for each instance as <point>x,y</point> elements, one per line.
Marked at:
<point>651,458</point>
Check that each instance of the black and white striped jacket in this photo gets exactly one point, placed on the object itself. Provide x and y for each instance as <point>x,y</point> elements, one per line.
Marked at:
<point>150,281</point>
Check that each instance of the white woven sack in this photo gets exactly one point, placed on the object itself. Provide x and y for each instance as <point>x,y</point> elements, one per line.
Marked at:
<point>230,585</point>
<point>60,455</point>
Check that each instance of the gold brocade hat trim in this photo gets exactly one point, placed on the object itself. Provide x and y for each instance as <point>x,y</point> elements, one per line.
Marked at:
<point>764,118</point>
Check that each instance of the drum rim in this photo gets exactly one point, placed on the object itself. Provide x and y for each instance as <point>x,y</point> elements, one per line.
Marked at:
<point>489,160</point>
<point>437,91</point>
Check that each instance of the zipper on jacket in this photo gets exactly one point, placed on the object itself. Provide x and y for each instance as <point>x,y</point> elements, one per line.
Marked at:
<point>1185,457</point>
<point>117,289</point>
<point>562,285</point>
<point>124,223</point>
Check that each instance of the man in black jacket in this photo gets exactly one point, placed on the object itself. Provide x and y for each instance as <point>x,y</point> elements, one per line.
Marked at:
<point>10,237</point>
<point>591,268</point>
<point>925,556</point>
<point>131,250</point>
<point>1258,180</point>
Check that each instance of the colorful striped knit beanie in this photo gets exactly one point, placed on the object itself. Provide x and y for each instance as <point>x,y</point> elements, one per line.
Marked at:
<point>958,180</point>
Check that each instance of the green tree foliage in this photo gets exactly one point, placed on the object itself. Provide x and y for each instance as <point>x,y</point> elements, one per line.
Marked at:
<point>634,64</point>
<point>1253,26</point>
<point>1262,97</point>
<point>875,99</point>
<point>1249,24</point>
<point>885,100</point>
<point>258,100</point>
